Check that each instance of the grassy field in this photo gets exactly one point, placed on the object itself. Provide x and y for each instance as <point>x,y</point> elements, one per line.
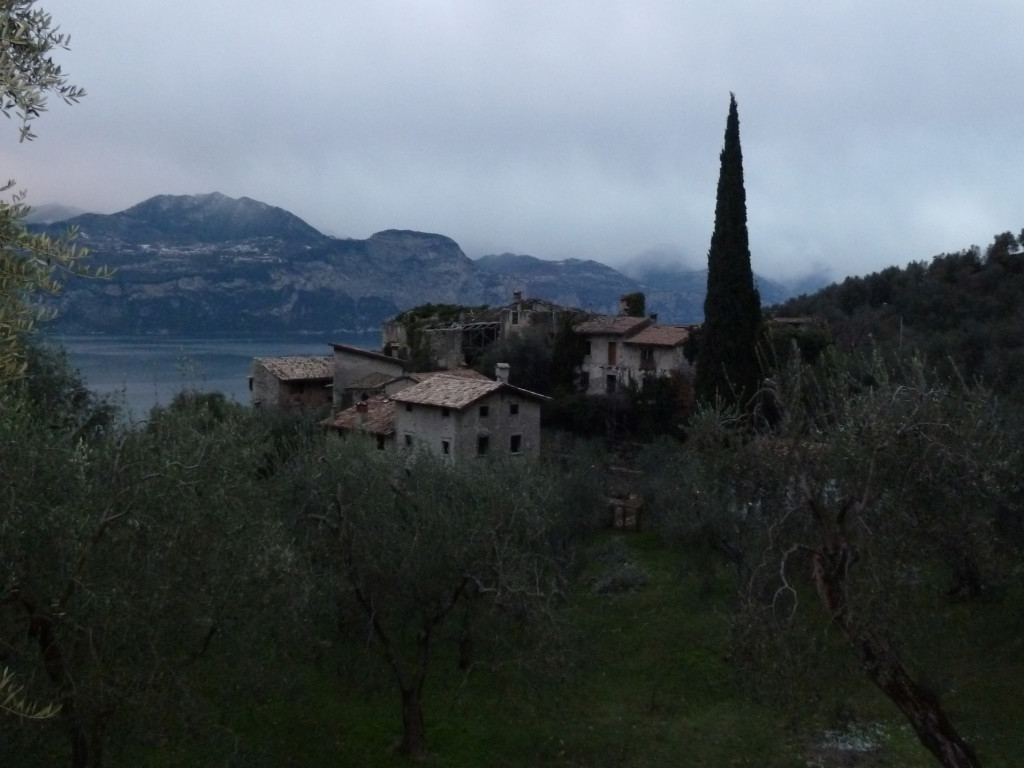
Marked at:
<point>650,684</point>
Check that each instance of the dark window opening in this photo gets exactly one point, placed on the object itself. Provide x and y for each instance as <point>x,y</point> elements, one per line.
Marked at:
<point>408,440</point>
<point>609,383</point>
<point>647,358</point>
<point>612,349</point>
<point>408,407</point>
<point>516,444</point>
<point>380,442</point>
<point>483,444</point>
<point>485,411</point>
<point>513,409</point>
<point>445,447</point>
<point>445,413</point>
<point>515,318</point>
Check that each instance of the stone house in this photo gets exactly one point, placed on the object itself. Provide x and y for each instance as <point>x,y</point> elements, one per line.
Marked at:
<point>605,368</point>
<point>623,349</point>
<point>374,416</point>
<point>523,315</point>
<point>373,411</point>
<point>354,367</point>
<point>462,419</point>
<point>657,350</point>
<point>288,382</point>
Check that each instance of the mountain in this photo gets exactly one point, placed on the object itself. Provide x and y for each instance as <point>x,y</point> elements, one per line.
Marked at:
<point>202,265</point>
<point>50,213</point>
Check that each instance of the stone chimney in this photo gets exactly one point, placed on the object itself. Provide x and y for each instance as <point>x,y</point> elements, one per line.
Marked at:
<point>623,304</point>
<point>501,372</point>
<point>517,296</point>
<point>361,411</point>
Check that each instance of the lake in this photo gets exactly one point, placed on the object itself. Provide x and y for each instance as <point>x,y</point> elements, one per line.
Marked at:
<point>144,371</point>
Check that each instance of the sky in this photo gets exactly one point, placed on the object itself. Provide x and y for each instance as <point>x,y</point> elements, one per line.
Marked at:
<point>873,133</point>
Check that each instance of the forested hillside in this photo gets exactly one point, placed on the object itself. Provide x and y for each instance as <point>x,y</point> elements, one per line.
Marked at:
<point>962,312</point>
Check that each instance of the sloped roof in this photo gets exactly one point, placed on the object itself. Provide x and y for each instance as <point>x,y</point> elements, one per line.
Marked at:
<point>297,368</point>
<point>445,391</point>
<point>617,325</point>
<point>661,335</point>
<point>372,380</point>
<point>366,353</point>
<point>462,373</point>
<point>379,418</point>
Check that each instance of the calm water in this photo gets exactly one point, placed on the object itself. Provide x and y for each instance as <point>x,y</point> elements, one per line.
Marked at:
<point>148,370</point>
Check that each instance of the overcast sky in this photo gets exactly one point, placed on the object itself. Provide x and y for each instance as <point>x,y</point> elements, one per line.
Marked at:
<point>873,133</point>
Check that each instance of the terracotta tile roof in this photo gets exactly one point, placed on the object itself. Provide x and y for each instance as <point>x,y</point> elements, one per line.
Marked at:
<point>618,325</point>
<point>372,380</point>
<point>463,373</point>
<point>379,418</point>
<point>661,335</point>
<point>446,391</point>
<point>296,368</point>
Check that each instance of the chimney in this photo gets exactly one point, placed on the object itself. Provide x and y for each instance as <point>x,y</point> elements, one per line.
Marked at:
<point>623,304</point>
<point>501,372</point>
<point>361,410</point>
<point>517,296</point>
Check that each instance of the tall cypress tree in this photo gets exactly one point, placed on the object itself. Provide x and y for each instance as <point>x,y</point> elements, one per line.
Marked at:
<point>727,366</point>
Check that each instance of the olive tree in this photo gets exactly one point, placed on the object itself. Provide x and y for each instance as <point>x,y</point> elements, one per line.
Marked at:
<point>30,264</point>
<point>418,546</point>
<point>872,494</point>
<point>127,556</point>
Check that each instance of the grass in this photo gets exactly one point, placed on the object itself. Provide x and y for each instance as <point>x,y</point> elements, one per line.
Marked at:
<point>650,683</point>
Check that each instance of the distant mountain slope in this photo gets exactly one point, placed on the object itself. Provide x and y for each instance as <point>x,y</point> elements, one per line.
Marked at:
<point>50,213</point>
<point>188,219</point>
<point>210,264</point>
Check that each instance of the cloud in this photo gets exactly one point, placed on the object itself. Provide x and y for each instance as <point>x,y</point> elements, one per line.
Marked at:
<point>872,133</point>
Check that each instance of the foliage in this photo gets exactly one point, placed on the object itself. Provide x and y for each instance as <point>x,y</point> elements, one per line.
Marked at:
<point>567,352</point>
<point>727,364</point>
<point>27,71</point>
<point>128,554</point>
<point>422,548</point>
<point>636,304</point>
<point>29,263</point>
<point>871,492</point>
<point>530,356</point>
<point>960,313</point>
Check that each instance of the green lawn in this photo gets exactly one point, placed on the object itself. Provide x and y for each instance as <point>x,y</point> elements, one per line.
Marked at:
<point>650,684</point>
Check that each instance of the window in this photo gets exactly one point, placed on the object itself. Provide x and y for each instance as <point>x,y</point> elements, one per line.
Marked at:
<point>646,358</point>
<point>408,407</point>
<point>408,440</point>
<point>586,347</point>
<point>380,442</point>
<point>611,353</point>
<point>513,409</point>
<point>516,444</point>
<point>514,318</point>
<point>585,380</point>
<point>483,444</point>
<point>446,412</point>
<point>485,411</point>
<point>609,383</point>
<point>250,383</point>
<point>446,447</point>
